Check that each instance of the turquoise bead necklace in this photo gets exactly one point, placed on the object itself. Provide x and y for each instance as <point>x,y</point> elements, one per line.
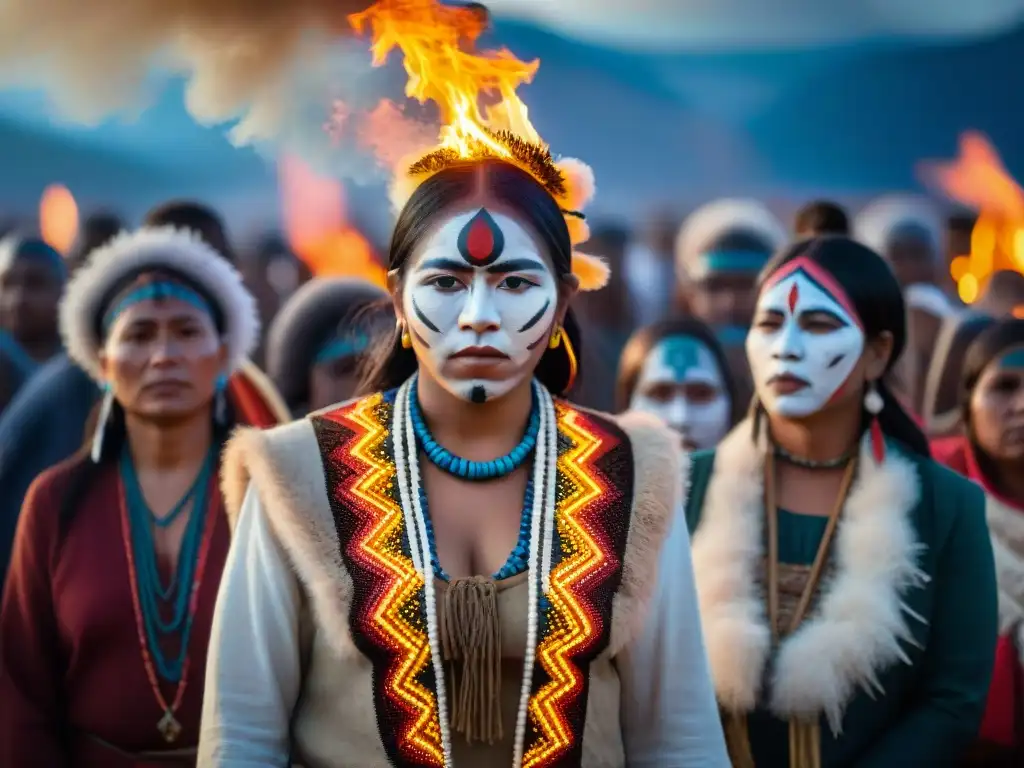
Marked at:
<point>518,560</point>
<point>151,592</point>
<point>467,469</point>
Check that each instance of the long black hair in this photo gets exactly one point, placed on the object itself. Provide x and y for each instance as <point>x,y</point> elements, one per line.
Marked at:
<point>871,287</point>
<point>645,339</point>
<point>463,184</point>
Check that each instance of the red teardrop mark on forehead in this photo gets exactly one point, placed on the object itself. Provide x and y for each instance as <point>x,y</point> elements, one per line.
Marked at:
<point>481,241</point>
<point>794,296</point>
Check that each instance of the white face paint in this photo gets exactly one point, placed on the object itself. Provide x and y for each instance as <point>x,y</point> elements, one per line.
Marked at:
<point>479,299</point>
<point>805,342</point>
<point>681,383</point>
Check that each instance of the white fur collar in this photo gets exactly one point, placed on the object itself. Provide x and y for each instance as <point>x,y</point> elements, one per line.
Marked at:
<point>856,631</point>
<point>1006,526</point>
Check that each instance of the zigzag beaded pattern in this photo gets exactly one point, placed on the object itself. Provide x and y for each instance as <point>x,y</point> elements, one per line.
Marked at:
<point>593,503</point>
<point>387,616</point>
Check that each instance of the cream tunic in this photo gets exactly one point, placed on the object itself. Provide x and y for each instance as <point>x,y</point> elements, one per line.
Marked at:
<point>667,708</point>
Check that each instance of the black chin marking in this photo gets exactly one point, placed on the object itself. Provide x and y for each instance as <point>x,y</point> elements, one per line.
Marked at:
<point>423,318</point>
<point>836,360</point>
<point>478,394</point>
<point>535,319</point>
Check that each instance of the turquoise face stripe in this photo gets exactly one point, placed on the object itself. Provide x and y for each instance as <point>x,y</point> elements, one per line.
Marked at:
<point>342,346</point>
<point>160,291</point>
<point>733,261</point>
<point>1013,359</point>
<point>681,354</point>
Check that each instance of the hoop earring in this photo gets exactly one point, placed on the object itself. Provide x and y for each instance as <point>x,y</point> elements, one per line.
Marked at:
<point>556,338</point>
<point>573,362</point>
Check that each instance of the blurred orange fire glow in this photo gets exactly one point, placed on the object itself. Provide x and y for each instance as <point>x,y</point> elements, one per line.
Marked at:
<point>977,178</point>
<point>58,217</point>
<point>316,226</point>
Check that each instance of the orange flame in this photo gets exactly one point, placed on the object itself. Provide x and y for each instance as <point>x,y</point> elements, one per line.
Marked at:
<point>316,227</point>
<point>978,178</point>
<point>438,44</point>
<point>58,218</point>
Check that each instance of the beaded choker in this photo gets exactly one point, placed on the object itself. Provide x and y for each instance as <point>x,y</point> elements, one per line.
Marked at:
<point>466,468</point>
<point>800,461</point>
<point>180,595</point>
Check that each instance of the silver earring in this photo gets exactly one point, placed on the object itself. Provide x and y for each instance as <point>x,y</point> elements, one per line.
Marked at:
<point>873,402</point>
<point>106,406</point>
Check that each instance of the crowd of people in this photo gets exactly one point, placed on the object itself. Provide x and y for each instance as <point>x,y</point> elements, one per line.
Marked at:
<point>737,493</point>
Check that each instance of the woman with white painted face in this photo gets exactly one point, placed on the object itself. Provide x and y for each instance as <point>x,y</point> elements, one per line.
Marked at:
<point>676,370</point>
<point>845,579</point>
<point>461,568</point>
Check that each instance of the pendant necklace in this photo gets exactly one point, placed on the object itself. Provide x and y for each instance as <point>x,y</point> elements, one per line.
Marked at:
<point>136,519</point>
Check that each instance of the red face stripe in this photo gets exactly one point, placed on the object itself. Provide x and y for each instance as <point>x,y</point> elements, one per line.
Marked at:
<point>819,275</point>
<point>794,296</point>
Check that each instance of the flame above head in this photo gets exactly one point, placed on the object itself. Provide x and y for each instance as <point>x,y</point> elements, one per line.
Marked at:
<point>978,178</point>
<point>58,218</point>
<point>444,66</point>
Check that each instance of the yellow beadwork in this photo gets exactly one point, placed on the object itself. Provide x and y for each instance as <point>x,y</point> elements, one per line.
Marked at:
<point>393,616</point>
<point>571,626</point>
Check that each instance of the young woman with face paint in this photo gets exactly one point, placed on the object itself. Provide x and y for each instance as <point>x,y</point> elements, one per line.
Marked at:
<point>991,452</point>
<point>320,336</point>
<point>461,568</point>
<point>108,604</point>
<point>676,371</point>
<point>845,579</point>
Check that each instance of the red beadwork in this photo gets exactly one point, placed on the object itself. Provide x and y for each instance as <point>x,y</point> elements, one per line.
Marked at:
<point>197,580</point>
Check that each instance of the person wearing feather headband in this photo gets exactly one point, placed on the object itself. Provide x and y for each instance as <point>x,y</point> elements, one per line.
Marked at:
<point>462,568</point>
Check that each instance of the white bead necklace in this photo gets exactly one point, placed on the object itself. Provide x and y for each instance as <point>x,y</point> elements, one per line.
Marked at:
<point>541,542</point>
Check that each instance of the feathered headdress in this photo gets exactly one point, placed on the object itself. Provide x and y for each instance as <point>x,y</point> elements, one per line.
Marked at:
<point>177,251</point>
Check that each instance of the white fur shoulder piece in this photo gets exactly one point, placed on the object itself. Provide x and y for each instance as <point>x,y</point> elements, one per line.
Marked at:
<point>861,619</point>
<point>132,253</point>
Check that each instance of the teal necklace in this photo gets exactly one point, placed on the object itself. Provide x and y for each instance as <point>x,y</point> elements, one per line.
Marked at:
<point>150,592</point>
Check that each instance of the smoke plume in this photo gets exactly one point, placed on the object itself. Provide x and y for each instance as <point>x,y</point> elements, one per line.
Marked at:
<point>274,66</point>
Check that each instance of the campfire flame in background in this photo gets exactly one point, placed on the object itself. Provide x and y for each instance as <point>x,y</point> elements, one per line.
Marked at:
<point>977,178</point>
<point>317,229</point>
<point>58,218</point>
<point>438,44</point>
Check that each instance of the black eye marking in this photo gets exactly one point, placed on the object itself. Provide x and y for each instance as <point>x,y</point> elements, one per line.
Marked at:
<point>478,394</point>
<point>423,318</point>
<point>836,360</point>
<point>536,318</point>
<point>481,241</point>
